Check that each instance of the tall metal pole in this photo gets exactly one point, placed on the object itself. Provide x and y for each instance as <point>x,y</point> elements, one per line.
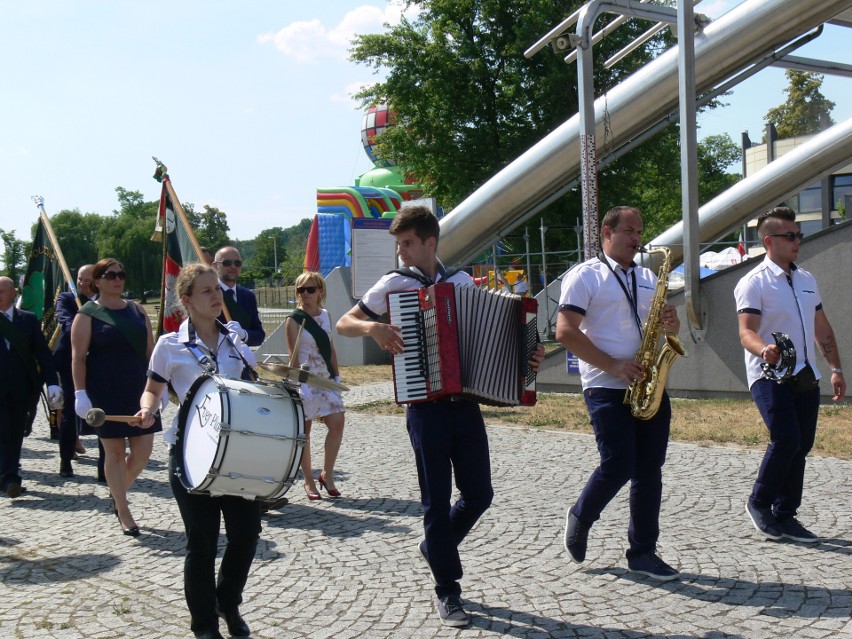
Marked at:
<point>548,333</point>
<point>588,154</point>
<point>529,264</point>
<point>688,168</point>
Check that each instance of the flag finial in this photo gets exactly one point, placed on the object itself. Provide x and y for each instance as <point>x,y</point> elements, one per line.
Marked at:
<point>161,171</point>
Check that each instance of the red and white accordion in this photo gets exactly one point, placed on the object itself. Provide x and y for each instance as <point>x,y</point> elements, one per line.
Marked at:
<point>463,341</point>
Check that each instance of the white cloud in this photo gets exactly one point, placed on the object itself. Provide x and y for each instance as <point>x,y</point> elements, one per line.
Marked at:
<point>312,40</point>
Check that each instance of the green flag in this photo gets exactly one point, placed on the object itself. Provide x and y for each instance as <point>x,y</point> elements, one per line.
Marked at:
<point>43,282</point>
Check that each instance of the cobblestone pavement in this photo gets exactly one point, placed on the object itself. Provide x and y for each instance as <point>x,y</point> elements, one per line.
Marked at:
<point>349,567</point>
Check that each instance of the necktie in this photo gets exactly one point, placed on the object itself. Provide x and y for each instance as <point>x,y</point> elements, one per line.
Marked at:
<point>230,293</point>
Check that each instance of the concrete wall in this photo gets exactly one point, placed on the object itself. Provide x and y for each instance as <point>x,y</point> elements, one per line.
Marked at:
<point>716,366</point>
<point>351,351</point>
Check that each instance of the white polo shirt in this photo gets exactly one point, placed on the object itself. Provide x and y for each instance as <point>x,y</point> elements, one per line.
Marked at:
<point>786,305</point>
<point>592,290</point>
<point>375,301</point>
<point>172,361</point>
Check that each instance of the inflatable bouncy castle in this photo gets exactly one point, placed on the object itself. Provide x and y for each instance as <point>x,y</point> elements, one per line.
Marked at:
<point>380,192</point>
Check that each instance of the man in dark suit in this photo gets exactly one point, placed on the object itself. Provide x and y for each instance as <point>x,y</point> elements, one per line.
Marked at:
<point>22,346</point>
<point>66,310</point>
<point>240,301</point>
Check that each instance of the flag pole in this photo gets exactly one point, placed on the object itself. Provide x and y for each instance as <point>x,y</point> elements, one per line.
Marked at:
<point>161,312</point>
<point>39,201</point>
<point>167,182</point>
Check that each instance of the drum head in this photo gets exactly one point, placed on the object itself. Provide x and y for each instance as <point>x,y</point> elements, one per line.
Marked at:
<point>199,421</point>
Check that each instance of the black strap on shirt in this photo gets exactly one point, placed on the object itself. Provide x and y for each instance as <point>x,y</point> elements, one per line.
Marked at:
<point>318,333</point>
<point>799,309</point>
<point>207,361</point>
<point>632,300</point>
<point>425,280</point>
<point>136,338</point>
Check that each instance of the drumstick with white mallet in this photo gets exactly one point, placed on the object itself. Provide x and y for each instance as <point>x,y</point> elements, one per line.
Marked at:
<point>295,352</point>
<point>96,417</point>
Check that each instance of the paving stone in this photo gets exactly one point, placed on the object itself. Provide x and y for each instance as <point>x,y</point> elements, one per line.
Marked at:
<point>349,567</point>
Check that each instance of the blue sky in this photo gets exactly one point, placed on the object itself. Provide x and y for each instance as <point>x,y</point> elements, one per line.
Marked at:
<point>247,103</point>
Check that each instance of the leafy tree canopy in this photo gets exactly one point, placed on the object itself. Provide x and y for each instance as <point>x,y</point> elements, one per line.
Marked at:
<point>804,108</point>
<point>468,102</point>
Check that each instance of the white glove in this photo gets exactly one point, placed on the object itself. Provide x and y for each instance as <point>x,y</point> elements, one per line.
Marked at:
<point>234,327</point>
<point>82,403</point>
<point>54,396</point>
<point>164,400</point>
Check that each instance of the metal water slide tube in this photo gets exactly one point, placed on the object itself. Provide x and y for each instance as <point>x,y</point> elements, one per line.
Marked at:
<point>778,180</point>
<point>737,39</point>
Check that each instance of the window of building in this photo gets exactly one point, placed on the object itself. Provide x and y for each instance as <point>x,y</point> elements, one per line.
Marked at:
<point>841,187</point>
<point>810,200</point>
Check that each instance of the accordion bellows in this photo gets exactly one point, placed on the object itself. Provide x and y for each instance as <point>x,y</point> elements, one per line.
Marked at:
<point>465,342</point>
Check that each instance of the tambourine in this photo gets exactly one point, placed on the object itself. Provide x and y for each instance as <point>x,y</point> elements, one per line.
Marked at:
<point>784,368</point>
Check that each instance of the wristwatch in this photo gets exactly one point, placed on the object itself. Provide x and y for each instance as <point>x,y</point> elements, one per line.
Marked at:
<point>839,371</point>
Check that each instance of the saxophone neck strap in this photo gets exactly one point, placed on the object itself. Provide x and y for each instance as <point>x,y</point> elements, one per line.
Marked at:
<point>631,299</point>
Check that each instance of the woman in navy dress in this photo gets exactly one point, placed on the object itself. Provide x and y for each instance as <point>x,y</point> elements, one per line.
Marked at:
<point>111,342</point>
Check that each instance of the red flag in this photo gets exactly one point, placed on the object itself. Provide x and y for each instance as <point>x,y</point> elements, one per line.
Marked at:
<point>179,250</point>
<point>312,255</point>
<point>741,246</point>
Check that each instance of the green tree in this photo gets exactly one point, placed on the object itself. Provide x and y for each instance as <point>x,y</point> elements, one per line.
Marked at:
<point>468,102</point>
<point>77,234</point>
<point>126,236</point>
<point>14,255</point>
<point>801,113</point>
<point>210,226</point>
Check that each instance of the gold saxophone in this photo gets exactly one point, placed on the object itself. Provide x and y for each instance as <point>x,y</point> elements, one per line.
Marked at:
<point>646,394</point>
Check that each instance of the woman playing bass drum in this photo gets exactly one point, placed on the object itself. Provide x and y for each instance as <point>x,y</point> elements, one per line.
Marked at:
<point>176,360</point>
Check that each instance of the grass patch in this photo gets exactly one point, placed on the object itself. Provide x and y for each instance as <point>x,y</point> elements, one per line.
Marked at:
<point>717,422</point>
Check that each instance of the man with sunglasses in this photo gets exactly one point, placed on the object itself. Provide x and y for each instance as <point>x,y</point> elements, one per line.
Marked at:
<point>239,300</point>
<point>67,305</point>
<point>779,297</point>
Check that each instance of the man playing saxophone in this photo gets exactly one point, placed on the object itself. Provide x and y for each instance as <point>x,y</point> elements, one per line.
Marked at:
<point>603,314</point>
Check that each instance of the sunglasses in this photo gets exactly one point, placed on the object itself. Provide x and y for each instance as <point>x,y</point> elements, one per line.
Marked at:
<point>111,275</point>
<point>231,262</point>
<point>790,235</point>
<point>306,289</point>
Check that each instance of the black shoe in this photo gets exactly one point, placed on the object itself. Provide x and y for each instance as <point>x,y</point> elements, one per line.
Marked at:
<point>275,504</point>
<point>14,490</point>
<point>208,634</point>
<point>65,469</point>
<point>576,537</point>
<point>133,531</point>
<point>452,612</point>
<point>791,528</point>
<point>236,625</point>
<point>652,566</point>
<point>764,521</point>
<point>54,432</point>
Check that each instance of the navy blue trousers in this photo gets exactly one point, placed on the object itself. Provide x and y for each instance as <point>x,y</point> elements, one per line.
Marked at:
<point>201,516</point>
<point>12,424</point>
<point>631,450</point>
<point>68,423</point>
<point>449,439</point>
<point>791,418</point>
